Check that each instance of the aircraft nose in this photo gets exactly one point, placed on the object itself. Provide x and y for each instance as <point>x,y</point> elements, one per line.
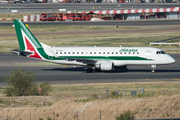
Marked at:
<point>171,60</point>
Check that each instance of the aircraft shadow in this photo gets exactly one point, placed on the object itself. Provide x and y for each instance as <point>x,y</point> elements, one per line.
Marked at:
<point>67,69</point>
<point>158,70</point>
<point>83,69</point>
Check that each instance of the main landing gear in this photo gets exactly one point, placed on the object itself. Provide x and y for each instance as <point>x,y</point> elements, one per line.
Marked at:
<point>97,70</point>
<point>89,70</point>
<point>153,68</point>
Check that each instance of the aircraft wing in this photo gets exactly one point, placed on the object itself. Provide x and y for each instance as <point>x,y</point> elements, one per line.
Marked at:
<point>87,61</point>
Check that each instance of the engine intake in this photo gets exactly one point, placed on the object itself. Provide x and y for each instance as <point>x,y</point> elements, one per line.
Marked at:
<point>105,65</point>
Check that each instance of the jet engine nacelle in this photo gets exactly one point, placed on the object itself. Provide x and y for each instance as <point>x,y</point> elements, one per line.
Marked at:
<point>105,65</point>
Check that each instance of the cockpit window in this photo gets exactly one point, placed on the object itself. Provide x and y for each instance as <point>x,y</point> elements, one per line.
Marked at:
<point>160,52</point>
<point>163,52</point>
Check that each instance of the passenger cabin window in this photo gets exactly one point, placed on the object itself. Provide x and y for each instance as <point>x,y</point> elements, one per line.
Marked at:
<point>107,52</point>
<point>129,52</point>
<point>64,52</point>
<point>60,52</point>
<point>160,52</point>
<point>56,52</point>
<point>69,53</point>
<point>99,52</point>
<point>137,52</point>
<point>116,52</point>
<point>73,52</point>
<point>82,52</point>
<point>90,52</point>
<point>94,52</point>
<point>77,52</point>
<point>103,52</point>
<point>133,52</point>
<point>112,52</point>
<point>120,52</point>
<point>124,52</point>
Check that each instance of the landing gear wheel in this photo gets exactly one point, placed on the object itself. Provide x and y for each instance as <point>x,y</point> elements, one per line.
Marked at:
<point>153,71</point>
<point>89,70</point>
<point>97,70</point>
<point>153,68</point>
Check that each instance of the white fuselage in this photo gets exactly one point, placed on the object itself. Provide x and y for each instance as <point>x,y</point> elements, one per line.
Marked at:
<point>120,56</point>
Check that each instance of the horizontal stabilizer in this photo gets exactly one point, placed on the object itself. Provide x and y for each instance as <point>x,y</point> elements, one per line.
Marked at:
<point>23,53</point>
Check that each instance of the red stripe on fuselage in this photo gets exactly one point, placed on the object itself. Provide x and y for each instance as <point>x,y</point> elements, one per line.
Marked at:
<point>31,48</point>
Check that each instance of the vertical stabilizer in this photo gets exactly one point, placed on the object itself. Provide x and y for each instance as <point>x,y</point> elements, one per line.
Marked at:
<point>28,42</point>
<point>25,37</point>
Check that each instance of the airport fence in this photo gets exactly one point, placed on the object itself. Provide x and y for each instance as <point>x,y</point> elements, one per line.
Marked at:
<point>105,93</point>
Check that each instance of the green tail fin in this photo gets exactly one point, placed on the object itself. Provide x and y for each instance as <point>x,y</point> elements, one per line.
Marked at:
<point>23,35</point>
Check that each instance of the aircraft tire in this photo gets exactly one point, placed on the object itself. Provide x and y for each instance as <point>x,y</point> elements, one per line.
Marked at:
<point>153,70</point>
<point>97,70</point>
<point>89,70</point>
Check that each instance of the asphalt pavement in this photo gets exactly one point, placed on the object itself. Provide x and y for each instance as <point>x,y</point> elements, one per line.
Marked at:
<point>59,74</point>
<point>54,7</point>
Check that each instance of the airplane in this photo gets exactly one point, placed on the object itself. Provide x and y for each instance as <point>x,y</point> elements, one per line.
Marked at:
<point>98,58</point>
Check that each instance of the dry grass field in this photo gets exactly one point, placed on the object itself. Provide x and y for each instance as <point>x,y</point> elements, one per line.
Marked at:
<point>164,100</point>
<point>95,35</point>
<point>160,107</point>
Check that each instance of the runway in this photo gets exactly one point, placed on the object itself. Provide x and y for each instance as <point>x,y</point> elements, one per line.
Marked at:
<point>53,7</point>
<point>59,74</point>
<point>120,23</point>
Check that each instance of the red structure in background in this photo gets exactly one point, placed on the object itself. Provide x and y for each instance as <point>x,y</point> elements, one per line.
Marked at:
<point>48,16</point>
<point>65,1</point>
<point>65,16</point>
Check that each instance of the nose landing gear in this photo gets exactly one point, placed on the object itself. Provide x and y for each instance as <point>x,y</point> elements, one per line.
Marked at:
<point>153,68</point>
